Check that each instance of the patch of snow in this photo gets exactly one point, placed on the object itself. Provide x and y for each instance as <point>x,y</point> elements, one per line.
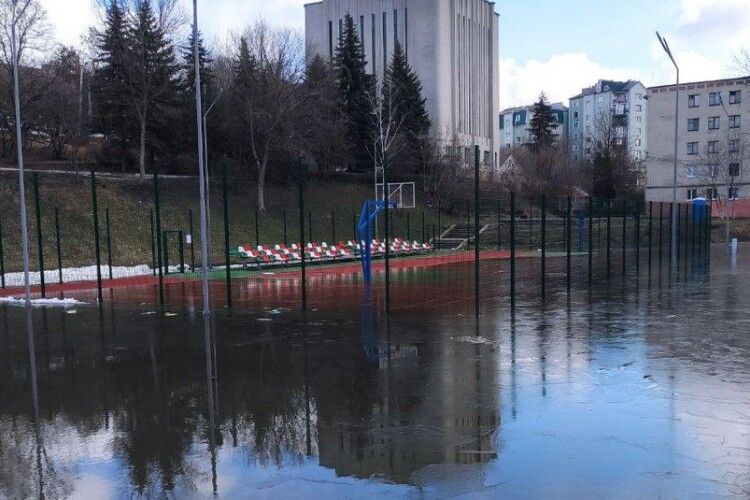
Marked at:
<point>65,303</point>
<point>73,274</point>
<point>472,340</point>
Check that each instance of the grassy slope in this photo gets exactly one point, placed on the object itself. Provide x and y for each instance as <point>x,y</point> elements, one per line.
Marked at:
<point>129,203</point>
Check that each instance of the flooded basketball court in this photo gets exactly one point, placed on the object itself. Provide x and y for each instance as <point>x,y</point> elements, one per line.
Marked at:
<point>632,388</point>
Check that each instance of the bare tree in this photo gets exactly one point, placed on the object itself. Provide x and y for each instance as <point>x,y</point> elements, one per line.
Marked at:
<point>387,122</point>
<point>274,97</point>
<point>62,102</point>
<point>34,42</point>
<point>721,169</point>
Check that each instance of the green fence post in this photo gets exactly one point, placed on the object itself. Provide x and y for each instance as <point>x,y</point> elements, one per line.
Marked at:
<point>109,242</point>
<point>192,241</point>
<point>661,237</point>
<point>544,246</point>
<point>609,239</point>
<point>569,238</point>
<point>165,243</point>
<point>181,247</point>
<point>153,242</point>
<point>650,236</point>
<point>408,226</point>
<point>624,237</point>
<point>638,240</point>
<point>309,226</point>
<point>591,241</point>
<point>303,244</point>
<point>257,229</point>
<point>424,236</point>
<point>157,231</point>
<point>333,228</point>
<point>227,263</point>
<point>2,257</point>
<point>286,236</point>
<point>476,231</point>
<point>39,238</point>
<point>440,220</point>
<point>499,222</point>
<point>512,250</point>
<point>58,246</point>
<point>97,247</point>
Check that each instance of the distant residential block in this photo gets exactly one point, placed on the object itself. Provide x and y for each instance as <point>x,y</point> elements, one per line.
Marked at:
<point>713,122</point>
<point>620,107</point>
<point>515,124</point>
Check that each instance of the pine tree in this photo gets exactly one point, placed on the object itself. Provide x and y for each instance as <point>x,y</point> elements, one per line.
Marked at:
<point>356,89</point>
<point>402,86</point>
<point>204,62</point>
<point>151,76</point>
<point>108,88</point>
<point>542,124</point>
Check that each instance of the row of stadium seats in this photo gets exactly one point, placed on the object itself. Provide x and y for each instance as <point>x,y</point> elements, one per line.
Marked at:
<point>323,252</point>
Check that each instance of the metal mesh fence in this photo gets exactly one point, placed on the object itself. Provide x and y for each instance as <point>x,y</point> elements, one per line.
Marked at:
<point>301,248</point>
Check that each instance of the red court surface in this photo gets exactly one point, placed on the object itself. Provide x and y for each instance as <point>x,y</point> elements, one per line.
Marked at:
<point>285,288</point>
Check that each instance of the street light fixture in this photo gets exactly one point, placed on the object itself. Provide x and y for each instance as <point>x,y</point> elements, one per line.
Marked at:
<point>666,48</point>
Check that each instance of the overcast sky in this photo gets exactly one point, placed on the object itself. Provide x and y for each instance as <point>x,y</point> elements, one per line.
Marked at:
<point>556,46</point>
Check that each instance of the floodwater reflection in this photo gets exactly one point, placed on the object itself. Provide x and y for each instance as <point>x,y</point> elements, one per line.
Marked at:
<point>618,391</point>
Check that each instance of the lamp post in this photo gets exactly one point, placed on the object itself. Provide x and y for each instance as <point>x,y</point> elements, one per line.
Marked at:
<point>673,249</point>
<point>201,165</point>
<point>19,148</point>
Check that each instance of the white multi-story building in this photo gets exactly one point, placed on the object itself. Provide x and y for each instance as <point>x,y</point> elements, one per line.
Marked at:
<point>453,45</point>
<point>618,107</point>
<point>713,123</point>
<point>515,124</point>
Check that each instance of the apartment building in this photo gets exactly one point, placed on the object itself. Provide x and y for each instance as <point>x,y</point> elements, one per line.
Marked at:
<point>618,107</point>
<point>712,155</point>
<point>515,124</point>
<point>453,45</point>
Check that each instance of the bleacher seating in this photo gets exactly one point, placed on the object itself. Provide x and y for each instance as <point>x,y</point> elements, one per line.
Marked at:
<point>280,255</point>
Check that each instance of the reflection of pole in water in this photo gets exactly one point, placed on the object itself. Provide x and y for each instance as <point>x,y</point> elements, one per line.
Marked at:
<point>209,353</point>
<point>513,371</point>
<point>35,401</point>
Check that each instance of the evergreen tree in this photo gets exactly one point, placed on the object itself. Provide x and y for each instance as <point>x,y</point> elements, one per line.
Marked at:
<point>109,90</point>
<point>356,89</point>
<point>402,86</point>
<point>151,78</point>
<point>204,63</point>
<point>542,124</point>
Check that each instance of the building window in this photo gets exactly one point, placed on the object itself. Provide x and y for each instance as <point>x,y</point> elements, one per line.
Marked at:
<point>735,121</point>
<point>639,107</point>
<point>692,172</point>
<point>575,114</point>
<point>639,119</point>
<point>692,148</point>
<point>713,147</point>
<point>694,101</point>
<point>734,146</point>
<point>637,142</point>
<point>735,97</point>
<point>692,194</point>
<point>714,123</point>
<point>733,192</point>
<point>711,194</point>
<point>694,124</point>
<point>714,98</point>
<point>734,170</point>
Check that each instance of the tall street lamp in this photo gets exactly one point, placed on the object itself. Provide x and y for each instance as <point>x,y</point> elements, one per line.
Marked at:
<point>201,166</point>
<point>666,48</point>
